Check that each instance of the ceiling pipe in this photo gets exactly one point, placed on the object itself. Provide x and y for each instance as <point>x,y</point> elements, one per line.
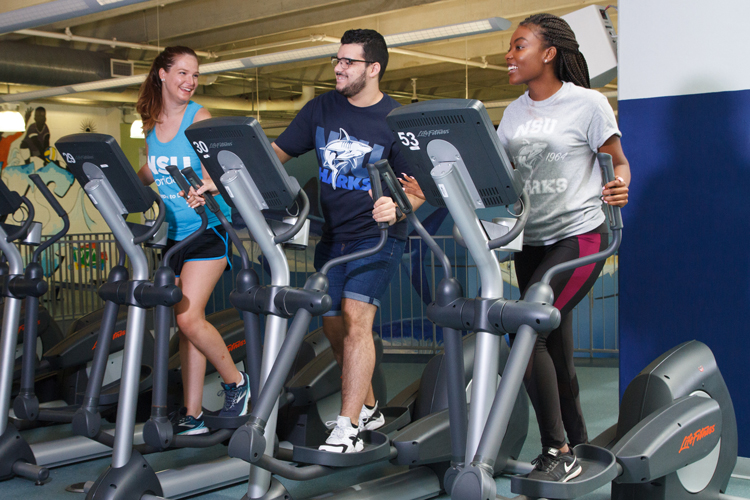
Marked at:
<point>437,57</point>
<point>272,45</point>
<point>207,101</point>
<point>70,37</point>
<point>55,11</point>
<point>305,54</point>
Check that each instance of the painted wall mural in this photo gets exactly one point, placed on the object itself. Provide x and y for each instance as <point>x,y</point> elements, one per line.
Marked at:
<point>33,151</point>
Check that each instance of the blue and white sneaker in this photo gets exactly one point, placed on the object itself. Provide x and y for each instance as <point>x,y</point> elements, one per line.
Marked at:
<point>235,398</point>
<point>189,425</point>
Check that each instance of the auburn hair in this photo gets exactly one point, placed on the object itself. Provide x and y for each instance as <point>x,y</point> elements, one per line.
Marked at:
<point>149,97</point>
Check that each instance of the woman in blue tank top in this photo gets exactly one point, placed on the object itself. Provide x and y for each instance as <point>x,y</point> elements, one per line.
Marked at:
<point>165,106</point>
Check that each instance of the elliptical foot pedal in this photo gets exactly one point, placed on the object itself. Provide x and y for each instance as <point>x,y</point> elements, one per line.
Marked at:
<point>396,417</point>
<point>377,447</point>
<point>214,421</point>
<point>599,468</point>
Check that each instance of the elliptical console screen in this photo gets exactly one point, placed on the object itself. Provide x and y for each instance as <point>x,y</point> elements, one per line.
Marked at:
<point>103,151</point>
<point>464,124</point>
<point>243,138</point>
<point>10,201</point>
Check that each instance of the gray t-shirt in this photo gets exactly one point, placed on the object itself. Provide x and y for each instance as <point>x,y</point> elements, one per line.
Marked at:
<point>553,143</point>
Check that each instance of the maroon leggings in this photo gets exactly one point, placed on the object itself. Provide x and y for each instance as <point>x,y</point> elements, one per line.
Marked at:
<point>550,378</point>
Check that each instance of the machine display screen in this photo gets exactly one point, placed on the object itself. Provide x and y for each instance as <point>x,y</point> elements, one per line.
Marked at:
<point>465,125</point>
<point>233,142</point>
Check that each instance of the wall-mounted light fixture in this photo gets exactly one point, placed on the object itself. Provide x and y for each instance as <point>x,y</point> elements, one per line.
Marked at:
<point>136,130</point>
<point>10,119</point>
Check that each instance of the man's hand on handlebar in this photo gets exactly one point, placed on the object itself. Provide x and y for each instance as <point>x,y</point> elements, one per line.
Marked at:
<point>384,210</point>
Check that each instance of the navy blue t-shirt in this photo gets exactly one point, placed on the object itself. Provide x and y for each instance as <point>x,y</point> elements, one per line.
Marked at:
<point>346,138</point>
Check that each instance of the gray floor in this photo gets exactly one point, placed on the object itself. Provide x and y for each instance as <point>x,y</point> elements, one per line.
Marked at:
<point>599,401</point>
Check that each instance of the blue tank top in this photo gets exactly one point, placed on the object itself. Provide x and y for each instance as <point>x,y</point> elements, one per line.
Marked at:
<point>182,219</point>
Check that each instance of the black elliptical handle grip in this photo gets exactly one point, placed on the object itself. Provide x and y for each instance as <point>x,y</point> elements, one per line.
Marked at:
<point>196,182</point>
<point>377,188</point>
<point>59,210</point>
<point>614,214</point>
<point>394,186</point>
<point>174,171</point>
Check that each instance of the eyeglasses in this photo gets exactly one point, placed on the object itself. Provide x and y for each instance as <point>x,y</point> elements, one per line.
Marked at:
<point>346,61</point>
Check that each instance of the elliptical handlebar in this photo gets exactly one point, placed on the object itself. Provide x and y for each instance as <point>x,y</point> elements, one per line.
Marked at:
<point>174,171</point>
<point>157,223</point>
<point>614,216</point>
<point>26,224</point>
<point>212,205</point>
<point>377,188</point>
<point>377,192</point>
<point>59,210</point>
<point>299,223</point>
<point>196,183</point>
<point>182,183</point>
<point>400,198</point>
<point>517,227</point>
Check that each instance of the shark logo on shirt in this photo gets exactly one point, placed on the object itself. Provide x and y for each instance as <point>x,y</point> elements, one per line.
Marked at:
<point>530,154</point>
<point>342,155</point>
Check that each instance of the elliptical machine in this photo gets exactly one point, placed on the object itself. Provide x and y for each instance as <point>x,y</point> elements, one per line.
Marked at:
<point>16,456</point>
<point>252,178</point>
<point>676,437</point>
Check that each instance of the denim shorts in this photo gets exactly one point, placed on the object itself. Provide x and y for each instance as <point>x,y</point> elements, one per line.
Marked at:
<point>363,279</point>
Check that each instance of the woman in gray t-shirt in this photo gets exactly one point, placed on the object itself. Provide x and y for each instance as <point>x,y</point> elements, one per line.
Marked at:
<point>552,134</point>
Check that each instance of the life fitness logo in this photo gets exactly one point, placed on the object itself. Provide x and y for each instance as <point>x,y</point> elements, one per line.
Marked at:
<point>235,345</point>
<point>117,335</point>
<point>690,439</point>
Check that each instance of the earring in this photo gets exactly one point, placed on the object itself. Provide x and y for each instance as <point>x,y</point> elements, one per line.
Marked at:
<point>164,80</point>
<point>544,61</point>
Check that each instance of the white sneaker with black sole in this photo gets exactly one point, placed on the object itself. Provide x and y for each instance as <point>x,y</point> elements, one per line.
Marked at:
<point>344,437</point>
<point>370,419</point>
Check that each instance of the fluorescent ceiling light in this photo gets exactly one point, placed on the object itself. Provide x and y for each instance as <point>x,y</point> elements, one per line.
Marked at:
<point>289,56</point>
<point>11,121</point>
<point>136,130</point>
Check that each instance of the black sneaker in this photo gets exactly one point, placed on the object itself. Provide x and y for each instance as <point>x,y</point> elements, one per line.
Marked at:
<point>190,426</point>
<point>235,398</point>
<point>176,415</point>
<point>554,466</point>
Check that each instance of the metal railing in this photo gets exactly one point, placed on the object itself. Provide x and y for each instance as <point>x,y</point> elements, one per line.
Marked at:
<point>76,266</point>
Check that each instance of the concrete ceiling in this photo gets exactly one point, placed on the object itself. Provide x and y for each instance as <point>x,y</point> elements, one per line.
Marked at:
<point>219,26</point>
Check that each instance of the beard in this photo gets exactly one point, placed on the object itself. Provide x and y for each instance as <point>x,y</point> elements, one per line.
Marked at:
<point>353,88</point>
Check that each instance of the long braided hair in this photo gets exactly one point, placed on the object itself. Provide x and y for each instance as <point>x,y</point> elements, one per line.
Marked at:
<point>149,98</point>
<point>570,65</point>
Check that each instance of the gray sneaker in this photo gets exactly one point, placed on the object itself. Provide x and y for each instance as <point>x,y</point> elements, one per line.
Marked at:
<point>235,398</point>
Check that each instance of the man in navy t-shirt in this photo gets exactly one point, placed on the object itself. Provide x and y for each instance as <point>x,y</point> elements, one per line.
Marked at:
<point>347,130</point>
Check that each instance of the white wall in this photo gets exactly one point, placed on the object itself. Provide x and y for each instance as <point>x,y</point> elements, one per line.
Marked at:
<point>681,47</point>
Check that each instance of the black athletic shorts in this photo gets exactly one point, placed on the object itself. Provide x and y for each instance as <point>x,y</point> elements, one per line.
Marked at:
<point>213,244</point>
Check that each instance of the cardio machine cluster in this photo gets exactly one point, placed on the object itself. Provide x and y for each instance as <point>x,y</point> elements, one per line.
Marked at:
<point>448,444</point>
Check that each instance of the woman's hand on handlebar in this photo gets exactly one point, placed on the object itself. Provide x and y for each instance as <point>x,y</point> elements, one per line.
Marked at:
<point>194,198</point>
<point>384,210</point>
<point>411,186</point>
<point>615,193</point>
